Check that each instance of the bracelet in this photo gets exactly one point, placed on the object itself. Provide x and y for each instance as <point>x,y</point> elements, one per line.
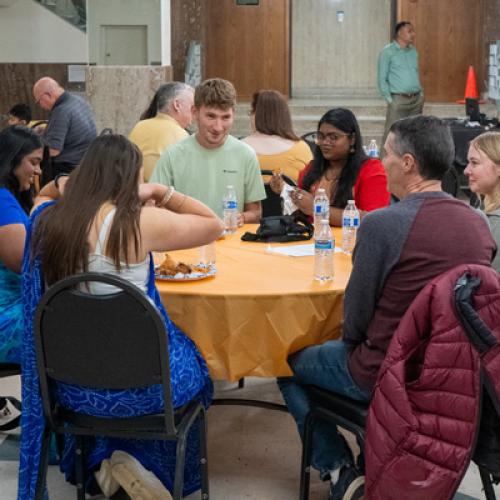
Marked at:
<point>168,194</point>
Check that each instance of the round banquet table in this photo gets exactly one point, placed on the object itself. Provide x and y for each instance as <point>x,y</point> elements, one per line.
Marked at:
<point>258,308</point>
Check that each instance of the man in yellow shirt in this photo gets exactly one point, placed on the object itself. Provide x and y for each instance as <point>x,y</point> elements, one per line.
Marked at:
<point>163,123</point>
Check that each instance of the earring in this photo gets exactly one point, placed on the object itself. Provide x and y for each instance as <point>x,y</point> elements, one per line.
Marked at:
<point>353,149</point>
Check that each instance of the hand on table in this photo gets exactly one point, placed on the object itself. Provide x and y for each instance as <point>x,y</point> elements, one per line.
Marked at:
<point>240,219</point>
<point>303,200</point>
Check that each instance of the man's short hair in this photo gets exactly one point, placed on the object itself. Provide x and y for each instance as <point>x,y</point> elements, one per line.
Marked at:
<point>400,25</point>
<point>215,93</point>
<point>21,111</point>
<point>428,139</point>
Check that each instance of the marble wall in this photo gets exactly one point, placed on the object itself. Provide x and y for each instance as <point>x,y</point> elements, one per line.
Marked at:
<point>186,25</point>
<point>119,94</point>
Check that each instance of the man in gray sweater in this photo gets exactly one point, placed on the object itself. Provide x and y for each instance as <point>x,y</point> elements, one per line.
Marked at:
<point>399,250</point>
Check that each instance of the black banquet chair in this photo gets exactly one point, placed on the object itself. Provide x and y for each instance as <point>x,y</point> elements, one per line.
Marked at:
<point>116,341</point>
<point>272,205</point>
<point>352,415</point>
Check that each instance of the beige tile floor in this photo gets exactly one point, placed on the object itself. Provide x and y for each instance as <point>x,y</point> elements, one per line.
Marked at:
<point>254,454</point>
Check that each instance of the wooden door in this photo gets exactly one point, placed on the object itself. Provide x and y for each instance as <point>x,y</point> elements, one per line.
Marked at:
<point>248,44</point>
<point>448,42</point>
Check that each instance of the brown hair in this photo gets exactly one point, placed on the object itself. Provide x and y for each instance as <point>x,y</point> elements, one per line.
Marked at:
<point>109,172</point>
<point>272,115</point>
<point>489,144</point>
<point>215,93</point>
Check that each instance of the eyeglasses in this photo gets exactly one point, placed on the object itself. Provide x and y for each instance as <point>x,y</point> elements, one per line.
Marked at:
<point>331,137</point>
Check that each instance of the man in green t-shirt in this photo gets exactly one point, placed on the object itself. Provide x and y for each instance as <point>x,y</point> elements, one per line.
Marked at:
<point>204,164</point>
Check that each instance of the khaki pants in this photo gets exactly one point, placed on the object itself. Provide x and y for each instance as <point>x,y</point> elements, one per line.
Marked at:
<point>401,107</point>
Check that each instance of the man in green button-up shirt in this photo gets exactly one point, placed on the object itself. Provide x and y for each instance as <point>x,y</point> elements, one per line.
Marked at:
<point>398,79</point>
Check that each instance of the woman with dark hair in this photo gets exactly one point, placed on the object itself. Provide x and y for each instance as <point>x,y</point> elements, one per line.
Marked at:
<point>342,168</point>
<point>20,156</point>
<point>273,138</point>
<point>109,221</point>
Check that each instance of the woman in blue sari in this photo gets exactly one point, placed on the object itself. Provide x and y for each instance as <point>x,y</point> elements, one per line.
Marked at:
<point>20,156</point>
<point>108,221</point>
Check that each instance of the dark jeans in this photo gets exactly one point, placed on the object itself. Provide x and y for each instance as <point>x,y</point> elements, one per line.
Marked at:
<point>325,366</point>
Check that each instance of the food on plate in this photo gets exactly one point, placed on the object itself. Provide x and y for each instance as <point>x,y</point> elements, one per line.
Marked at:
<point>169,267</point>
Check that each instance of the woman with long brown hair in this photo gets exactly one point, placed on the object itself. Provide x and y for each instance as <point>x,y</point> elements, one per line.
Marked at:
<point>273,139</point>
<point>108,221</point>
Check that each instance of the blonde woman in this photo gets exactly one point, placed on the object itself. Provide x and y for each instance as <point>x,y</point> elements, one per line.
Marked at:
<point>483,171</point>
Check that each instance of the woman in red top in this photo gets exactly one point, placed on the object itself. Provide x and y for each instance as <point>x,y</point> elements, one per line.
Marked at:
<point>342,168</point>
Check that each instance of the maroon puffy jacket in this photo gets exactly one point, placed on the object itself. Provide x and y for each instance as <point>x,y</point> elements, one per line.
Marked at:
<point>424,415</point>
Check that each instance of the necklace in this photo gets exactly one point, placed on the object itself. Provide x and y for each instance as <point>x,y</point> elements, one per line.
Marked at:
<point>333,175</point>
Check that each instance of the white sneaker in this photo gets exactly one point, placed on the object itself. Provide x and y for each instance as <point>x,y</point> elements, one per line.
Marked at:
<point>137,481</point>
<point>108,484</point>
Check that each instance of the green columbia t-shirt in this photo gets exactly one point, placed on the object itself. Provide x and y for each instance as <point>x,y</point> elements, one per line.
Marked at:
<point>204,173</point>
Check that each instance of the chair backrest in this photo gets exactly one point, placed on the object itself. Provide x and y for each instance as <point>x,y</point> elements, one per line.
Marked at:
<point>310,139</point>
<point>272,205</point>
<point>115,341</point>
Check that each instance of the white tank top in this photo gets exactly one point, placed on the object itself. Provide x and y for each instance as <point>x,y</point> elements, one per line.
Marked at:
<point>136,274</point>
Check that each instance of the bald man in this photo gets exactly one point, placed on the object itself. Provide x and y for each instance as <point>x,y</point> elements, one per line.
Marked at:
<point>71,126</point>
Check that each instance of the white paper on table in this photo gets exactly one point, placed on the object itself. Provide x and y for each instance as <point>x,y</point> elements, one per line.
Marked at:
<point>297,250</point>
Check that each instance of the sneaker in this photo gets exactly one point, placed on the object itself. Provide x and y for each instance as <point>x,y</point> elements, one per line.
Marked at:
<point>350,486</point>
<point>108,484</point>
<point>137,481</point>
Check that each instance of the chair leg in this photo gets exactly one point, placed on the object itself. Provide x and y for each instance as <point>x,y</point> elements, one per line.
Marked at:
<point>241,383</point>
<point>305,467</point>
<point>179,465</point>
<point>489,492</point>
<point>79,468</point>
<point>42,467</point>
<point>205,494</point>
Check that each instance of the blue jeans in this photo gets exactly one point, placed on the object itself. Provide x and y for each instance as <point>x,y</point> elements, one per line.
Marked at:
<point>325,366</point>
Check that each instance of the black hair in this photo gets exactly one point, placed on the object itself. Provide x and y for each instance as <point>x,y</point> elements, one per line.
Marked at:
<point>21,111</point>
<point>428,139</point>
<point>16,142</point>
<point>400,25</point>
<point>344,120</point>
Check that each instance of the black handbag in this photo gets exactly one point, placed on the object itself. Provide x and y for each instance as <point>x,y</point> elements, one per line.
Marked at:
<point>282,228</point>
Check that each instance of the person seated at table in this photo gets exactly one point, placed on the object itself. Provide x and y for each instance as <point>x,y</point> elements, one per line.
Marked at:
<point>105,223</point>
<point>483,171</point>
<point>19,114</point>
<point>163,123</point>
<point>20,157</point>
<point>399,249</point>
<point>204,164</point>
<point>342,168</point>
<point>273,139</point>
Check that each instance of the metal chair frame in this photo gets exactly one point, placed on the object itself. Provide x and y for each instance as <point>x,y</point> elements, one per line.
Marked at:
<point>124,348</point>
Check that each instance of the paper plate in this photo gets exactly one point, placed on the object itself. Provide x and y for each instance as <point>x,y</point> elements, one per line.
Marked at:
<point>211,270</point>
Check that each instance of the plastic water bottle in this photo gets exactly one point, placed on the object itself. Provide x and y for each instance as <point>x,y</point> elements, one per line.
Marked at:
<point>373,149</point>
<point>321,208</point>
<point>230,210</point>
<point>323,252</point>
<point>350,224</point>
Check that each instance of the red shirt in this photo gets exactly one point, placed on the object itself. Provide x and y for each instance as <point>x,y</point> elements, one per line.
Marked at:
<point>370,189</point>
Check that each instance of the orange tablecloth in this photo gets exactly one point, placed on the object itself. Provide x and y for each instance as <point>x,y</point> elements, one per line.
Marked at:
<point>259,308</point>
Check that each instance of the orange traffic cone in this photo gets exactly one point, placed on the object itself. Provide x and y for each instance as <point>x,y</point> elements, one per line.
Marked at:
<point>470,87</point>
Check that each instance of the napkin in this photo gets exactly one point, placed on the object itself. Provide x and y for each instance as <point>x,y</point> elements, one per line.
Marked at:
<point>289,206</point>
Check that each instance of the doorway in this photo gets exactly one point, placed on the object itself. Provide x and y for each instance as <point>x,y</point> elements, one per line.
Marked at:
<point>124,45</point>
<point>448,42</point>
<point>248,44</point>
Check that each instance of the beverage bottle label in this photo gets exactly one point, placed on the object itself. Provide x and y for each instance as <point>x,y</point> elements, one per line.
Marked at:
<point>323,245</point>
<point>231,205</point>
